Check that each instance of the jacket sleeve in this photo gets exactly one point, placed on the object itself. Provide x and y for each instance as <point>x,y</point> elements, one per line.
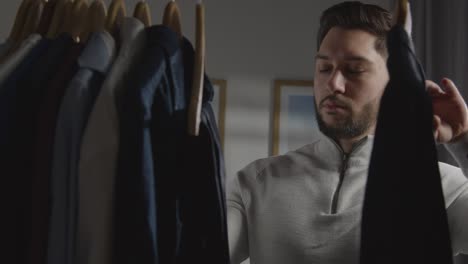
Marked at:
<point>455,184</point>
<point>237,222</point>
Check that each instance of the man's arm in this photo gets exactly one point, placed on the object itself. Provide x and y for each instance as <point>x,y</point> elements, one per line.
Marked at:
<point>457,210</point>
<point>457,214</point>
<point>451,129</point>
<point>459,151</point>
<point>455,187</point>
<point>237,222</point>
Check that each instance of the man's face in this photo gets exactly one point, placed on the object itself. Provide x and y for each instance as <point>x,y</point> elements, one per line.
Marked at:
<point>350,77</point>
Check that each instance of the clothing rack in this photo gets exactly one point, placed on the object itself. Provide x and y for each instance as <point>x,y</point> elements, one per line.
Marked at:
<point>79,19</point>
<point>109,137</point>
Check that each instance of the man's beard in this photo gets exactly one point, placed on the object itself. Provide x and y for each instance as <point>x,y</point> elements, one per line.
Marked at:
<point>353,125</point>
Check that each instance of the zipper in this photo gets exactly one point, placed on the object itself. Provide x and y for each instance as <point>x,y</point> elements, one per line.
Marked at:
<point>344,167</point>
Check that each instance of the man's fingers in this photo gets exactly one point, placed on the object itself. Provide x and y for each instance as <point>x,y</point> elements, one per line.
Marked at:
<point>442,131</point>
<point>450,87</point>
<point>433,88</point>
<point>437,123</point>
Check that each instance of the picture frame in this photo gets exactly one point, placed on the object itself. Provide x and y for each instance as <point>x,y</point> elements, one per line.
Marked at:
<point>294,118</point>
<point>219,106</point>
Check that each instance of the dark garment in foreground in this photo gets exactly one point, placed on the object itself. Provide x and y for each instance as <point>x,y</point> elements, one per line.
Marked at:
<point>30,95</point>
<point>14,229</point>
<point>399,224</point>
<point>44,130</point>
<point>202,211</point>
<point>135,221</point>
<point>169,196</point>
<point>202,201</point>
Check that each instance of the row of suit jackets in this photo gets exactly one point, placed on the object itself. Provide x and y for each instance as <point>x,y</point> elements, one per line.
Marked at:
<point>100,166</point>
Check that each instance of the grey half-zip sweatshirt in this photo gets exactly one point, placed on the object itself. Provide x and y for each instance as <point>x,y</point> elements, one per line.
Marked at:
<point>305,206</point>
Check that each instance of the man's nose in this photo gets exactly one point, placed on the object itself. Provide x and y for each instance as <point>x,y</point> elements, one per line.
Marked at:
<point>336,83</point>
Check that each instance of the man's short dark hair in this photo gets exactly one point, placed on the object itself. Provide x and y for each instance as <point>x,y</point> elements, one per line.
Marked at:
<point>356,15</point>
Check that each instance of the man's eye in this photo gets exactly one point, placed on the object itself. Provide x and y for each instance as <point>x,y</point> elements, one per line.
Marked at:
<point>325,70</point>
<point>355,71</point>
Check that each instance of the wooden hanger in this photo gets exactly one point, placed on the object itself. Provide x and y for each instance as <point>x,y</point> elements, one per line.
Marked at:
<point>143,13</point>
<point>172,17</point>
<point>68,19</point>
<point>46,17</point>
<point>20,21</point>
<point>15,35</point>
<point>194,116</point>
<point>33,19</point>
<point>116,13</point>
<point>97,16</point>
<point>58,18</point>
<point>81,30</point>
<point>400,12</point>
<point>77,25</point>
<point>84,32</point>
<point>402,15</point>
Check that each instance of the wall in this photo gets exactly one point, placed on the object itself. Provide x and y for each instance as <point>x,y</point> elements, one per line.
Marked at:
<point>249,43</point>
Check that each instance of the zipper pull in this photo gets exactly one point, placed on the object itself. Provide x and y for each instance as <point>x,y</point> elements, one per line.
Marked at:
<point>344,164</point>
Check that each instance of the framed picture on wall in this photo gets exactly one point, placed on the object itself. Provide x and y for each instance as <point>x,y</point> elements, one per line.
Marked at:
<point>294,120</point>
<point>219,105</point>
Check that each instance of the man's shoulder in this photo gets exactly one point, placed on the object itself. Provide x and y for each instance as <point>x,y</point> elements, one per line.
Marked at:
<point>282,162</point>
<point>264,176</point>
<point>454,182</point>
<point>451,173</point>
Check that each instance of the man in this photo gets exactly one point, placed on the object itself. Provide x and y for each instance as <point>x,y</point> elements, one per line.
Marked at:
<point>305,206</point>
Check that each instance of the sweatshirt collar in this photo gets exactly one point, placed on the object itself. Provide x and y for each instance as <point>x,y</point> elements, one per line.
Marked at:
<point>333,153</point>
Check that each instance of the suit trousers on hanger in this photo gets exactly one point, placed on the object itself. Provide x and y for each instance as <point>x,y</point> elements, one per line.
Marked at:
<point>399,224</point>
